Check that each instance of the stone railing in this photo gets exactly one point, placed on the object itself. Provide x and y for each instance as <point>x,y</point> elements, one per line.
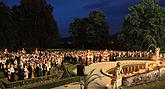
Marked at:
<point>108,69</point>
<point>156,74</point>
<point>123,63</point>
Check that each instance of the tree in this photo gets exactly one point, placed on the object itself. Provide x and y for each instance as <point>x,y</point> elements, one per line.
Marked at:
<point>36,27</point>
<point>29,25</point>
<point>146,18</point>
<point>90,32</point>
<point>7,26</point>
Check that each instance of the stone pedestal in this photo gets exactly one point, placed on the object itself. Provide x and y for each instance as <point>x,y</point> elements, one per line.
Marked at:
<point>108,86</point>
<point>118,83</point>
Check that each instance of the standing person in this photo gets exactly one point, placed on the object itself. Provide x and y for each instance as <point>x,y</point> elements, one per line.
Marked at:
<point>37,70</point>
<point>33,70</point>
<point>21,72</point>
<point>12,72</point>
<point>18,60</point>
<point>5,72</point>
<point>30,71</point>
<point>48,65</point>
<point>6,51</point>
<point>26,72</point>
<point>2,69</point>
<point>0,65</point>
<point>44,69</point>
<point>16,70</point>
<point>40,69</point>
<point>8,71</point>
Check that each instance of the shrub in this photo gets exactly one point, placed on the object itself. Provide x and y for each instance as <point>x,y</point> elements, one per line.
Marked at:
<point>57,83</point>
<point>53,71</point>
<point>8,84</point>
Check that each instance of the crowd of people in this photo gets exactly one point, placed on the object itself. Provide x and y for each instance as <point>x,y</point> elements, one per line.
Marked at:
<point>23,65</point>
<point>92,56</point>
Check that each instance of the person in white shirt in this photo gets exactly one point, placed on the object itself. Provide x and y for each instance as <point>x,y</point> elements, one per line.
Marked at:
<point>8,71</point>
<point>12,71</point>
<point>26,72</point>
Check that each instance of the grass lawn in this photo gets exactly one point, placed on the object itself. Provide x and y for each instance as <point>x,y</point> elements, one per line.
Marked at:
<point>152,85</point>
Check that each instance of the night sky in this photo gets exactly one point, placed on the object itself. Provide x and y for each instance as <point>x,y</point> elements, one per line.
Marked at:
<point>66,10</point>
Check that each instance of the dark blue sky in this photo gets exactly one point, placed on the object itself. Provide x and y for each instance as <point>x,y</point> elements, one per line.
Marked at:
<point>66,10</point>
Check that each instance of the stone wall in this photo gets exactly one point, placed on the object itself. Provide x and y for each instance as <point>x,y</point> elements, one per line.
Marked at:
<point>157,74</point>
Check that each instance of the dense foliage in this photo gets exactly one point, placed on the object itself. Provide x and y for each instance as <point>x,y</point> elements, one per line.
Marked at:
<point>7,25</point>
<point>145,22</point>
<point>31,25</point>
<point>28,25</point>
<point>90,32</point>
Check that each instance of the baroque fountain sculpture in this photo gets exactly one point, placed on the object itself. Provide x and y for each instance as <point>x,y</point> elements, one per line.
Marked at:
<point>137,72</point>
<point>134,74</point>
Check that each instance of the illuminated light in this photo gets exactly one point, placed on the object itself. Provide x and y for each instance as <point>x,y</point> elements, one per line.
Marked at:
<point>154,65</point>
<point>146,66</point>
<point>142,70</point>
<point>134,72</point>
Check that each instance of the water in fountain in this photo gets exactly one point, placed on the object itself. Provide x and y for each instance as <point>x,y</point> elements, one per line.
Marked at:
<point>151,45</point>
<point>157,50</point>
<point>147,37</point>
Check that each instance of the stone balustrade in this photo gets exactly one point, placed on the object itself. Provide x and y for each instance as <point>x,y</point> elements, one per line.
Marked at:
<point>112,65</point>
<point>123,63</point>
<point>156,74</point>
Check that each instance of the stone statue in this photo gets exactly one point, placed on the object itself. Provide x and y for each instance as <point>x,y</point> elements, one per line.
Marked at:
<point>118,76</point>
<point>118,71</point>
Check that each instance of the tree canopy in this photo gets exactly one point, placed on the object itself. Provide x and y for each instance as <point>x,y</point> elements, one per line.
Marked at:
<point>7,25</point>
<point>90,32</point>
<point>145,22</point>
<point>28,25</point>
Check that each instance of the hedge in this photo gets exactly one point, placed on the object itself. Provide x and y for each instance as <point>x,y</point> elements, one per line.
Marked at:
<point>57,83</point>
<point>43,79</point>
<point>20,83</point>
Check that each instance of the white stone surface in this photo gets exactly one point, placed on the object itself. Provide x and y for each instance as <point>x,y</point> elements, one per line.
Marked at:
<point>105,80</point>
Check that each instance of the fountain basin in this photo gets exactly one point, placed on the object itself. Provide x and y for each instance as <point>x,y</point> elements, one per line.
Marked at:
<point>136,72</point>
<point>157,73</point>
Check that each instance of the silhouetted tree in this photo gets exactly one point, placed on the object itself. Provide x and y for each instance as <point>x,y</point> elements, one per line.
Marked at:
<point>145,18</point>
<point>90,32</point>
<point>28,25</point>
<point>6,27</point>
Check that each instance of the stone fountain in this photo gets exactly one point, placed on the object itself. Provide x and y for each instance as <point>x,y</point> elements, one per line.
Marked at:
<point>133,74</point>
<point>143,73</point>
